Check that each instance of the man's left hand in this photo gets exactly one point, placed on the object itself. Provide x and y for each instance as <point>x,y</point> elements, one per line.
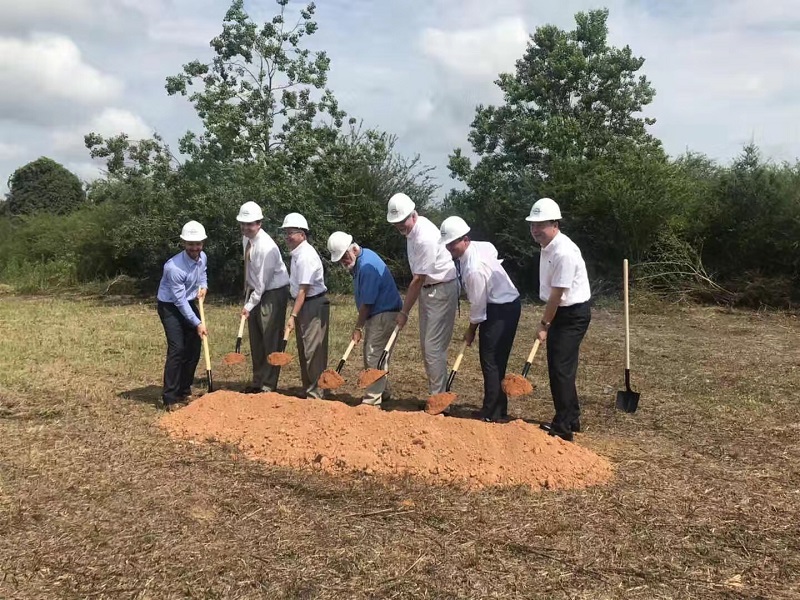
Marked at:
<point>541,333</point>
<point>201,293</point>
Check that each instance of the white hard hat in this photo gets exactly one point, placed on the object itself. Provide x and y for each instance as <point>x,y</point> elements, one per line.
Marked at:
<point>295,220</point>
<point>400,206</point>
<point>453,228</point>
<point>193,232</point>
<point>250,212</point>
<point>544,209</point>
<point>338,243</point>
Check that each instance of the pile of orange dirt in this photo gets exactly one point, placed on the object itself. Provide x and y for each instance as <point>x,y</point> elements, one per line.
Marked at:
<point>233,358</point>
<point>330,380</point>
<point>279,359</point>
<point>516,385</point>
<point>438,402</point>
<point>340,439</point>
<point>369,376</point>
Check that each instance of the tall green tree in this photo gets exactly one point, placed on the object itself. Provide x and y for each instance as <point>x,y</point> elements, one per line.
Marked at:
<point>571,109</point>
<point>263,92</point>
<point>43,186</point>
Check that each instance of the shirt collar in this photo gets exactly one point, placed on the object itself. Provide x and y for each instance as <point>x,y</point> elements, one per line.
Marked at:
<point>554,243</point>
<point>300,248</point>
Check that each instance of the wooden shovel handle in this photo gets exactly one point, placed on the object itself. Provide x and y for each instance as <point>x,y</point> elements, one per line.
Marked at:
<point>533,351</point>
<point>206,355</point>
<point>460,357</point>
<point>627,317</point>
<point>392,338</point>
<point>241,326</point>
<point>350,347</point>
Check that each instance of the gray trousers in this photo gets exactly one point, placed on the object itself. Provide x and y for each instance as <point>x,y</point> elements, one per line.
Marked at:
<point>437,315</point>
<point>377,331</point>
<point>265,326</point>
<point>311,333</point>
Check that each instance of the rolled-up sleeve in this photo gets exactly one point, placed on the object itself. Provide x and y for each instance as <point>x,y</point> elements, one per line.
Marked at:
<point>258,268</point>
<point>477,286</point>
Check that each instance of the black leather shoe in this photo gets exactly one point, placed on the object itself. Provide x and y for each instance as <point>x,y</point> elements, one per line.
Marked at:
<point>575,426</point>
<point>564,435</point>
<point>545,426</point>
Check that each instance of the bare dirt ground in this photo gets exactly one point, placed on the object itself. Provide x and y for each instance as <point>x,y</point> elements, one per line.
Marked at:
<point>96,501</point>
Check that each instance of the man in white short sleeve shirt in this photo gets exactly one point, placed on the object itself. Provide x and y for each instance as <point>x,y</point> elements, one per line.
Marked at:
<point>434,283</point>
<point>311,310</point>
<point>564,286</point>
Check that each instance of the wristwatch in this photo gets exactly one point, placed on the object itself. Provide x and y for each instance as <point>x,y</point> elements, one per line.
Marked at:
<point>544,323</point>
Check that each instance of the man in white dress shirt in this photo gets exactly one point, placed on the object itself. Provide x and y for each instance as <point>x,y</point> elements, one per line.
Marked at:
<point>267,294</point>
<point>564,286</point>
<point>494,310</point>
<point>311,309</point>
<point>434,283</point>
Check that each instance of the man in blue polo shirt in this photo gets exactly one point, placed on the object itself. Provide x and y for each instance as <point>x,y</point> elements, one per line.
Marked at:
<point>378,303</point>
<point>185,279</point>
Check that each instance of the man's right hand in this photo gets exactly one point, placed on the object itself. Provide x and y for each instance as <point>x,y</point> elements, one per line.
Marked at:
<point>202,331</point>
<point>356,337</point>
<point>245,313</point>
<point>401,320</point>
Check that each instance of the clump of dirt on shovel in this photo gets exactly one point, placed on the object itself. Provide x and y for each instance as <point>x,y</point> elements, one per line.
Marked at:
<point>369,376</point>
<point>233,358</point>
<point>279,359</point>
<point>516,385</point>
<point>438,402</point>
<point>330,380</point>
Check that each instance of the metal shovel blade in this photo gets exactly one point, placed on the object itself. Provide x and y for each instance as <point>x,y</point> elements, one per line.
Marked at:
<point>627,399</point>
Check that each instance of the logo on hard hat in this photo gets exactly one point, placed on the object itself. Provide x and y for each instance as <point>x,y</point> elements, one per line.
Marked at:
<point>536,211</point>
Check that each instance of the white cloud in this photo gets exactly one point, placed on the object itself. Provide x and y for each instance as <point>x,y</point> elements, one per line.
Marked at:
<point>478,52</point>
<point>184,31</point>
<point>48,75</point>
<point>11,151</point>
<point>76,15</point>
<point>111,121</point>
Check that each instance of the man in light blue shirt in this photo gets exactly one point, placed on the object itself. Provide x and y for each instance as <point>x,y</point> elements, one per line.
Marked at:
<point>185,279</point>
<point>378,303</point>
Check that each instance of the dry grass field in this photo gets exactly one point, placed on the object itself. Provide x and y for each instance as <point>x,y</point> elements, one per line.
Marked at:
<point>97,502</point>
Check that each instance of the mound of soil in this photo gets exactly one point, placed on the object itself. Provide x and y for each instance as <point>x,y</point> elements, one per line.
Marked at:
<point>330,380</point>
<point>516,385</point>
<point>369,376</point>
<point>233,358</point>
<point>438,402</point>
<point>340,439</point>
<point>279,359</point>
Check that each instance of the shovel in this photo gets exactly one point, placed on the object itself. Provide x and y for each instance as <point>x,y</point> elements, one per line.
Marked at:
<point>205,348</point>
<point>234,358</point>
<point>438,403</point>
<point>515,385</point>
<point>370,376</point>
<point>280,358</point>
<point>627,400</point>
<point>330,379</point>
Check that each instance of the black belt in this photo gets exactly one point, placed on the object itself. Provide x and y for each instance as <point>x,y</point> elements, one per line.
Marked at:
<point>315,296</point>
<point>573,307</point>
<point>430,285</point>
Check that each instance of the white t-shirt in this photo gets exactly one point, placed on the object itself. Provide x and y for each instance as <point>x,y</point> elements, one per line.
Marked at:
<point>485,280</point>
<point>426,256</point>
<point>266,269</point>
<point>561,265</point>
<point>306,269</point>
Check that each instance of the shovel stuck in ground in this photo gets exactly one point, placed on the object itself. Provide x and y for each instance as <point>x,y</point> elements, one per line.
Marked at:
<point>206,354</point>
<point>627,400</point>
<point>236,358</point>
<point>369,376</point>
<point>332,379</point>
<point>438,403</point>
<point>518,385</point>
<point>281,358</point>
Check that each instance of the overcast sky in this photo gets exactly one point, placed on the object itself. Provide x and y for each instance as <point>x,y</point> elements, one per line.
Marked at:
<point>725,71</point>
